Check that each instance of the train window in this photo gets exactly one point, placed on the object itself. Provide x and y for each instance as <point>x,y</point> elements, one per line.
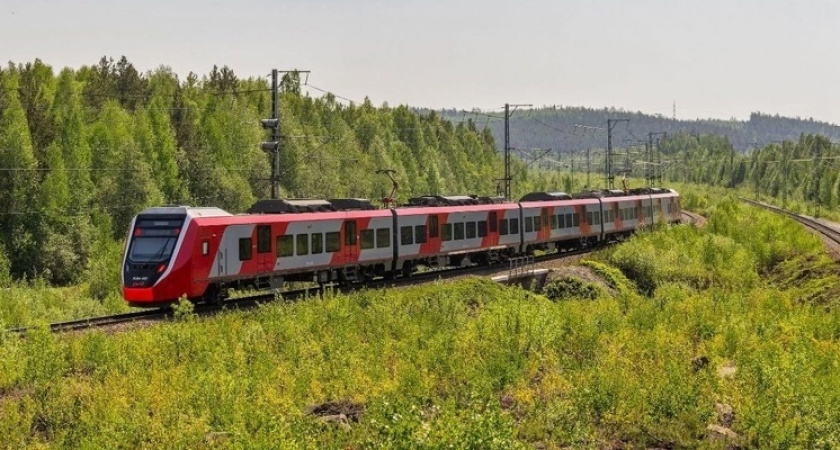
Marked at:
<point>470,230</point>
<point>503,227</point>
<point>205,248</point>
<point>514,226</point>
<point>333,242</point>
<point>575,219</point>
<point>529,224</point>
<point>561,221</point>
<point>317,243</point>
<point>244,249</point>
<point>493,220</point>
<point>446,232</point>
<point>569,220</point>
<point>367,239</point>
<point>350,232</point>
<point>263,238</point>
<point>285,245</point>
<point>420,234</point>
<point>597,218</point>
<point>589,217</point>
<point>302,244</point>
<point>482,228</point>
<point>553,220</point>
<point>536,223</point>
<point>459,231</point>
<point>433,226</point>
<point>406,235</point>
<point>383,237</point>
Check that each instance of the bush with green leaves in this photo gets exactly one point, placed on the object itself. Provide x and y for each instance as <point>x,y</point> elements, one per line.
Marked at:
<point>568,287</point>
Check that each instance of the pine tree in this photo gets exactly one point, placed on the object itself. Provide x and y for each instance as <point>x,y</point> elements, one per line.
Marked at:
<point>68,116</point>
<point>19,185</point>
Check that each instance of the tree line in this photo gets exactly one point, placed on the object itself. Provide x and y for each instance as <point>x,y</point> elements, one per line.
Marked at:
<point>566,129</point>
<point>83,150</point>
<point>805,170</point>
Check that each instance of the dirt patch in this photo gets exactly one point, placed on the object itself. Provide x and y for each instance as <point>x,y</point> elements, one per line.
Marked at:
<point>14,393</point>
<point>344,409</point>
<point>583,273</point>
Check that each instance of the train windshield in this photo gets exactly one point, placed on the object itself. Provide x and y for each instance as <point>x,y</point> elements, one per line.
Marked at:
<point>154,240</point>
<point>152,249</point>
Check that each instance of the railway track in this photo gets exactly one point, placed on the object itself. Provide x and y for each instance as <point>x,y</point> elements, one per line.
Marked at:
<point>252,301</point>
<point>692,219</point>
<point>821,228</point>
<point>103,321</point>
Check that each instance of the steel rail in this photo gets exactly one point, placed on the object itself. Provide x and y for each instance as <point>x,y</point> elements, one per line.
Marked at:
<point>810,222</point>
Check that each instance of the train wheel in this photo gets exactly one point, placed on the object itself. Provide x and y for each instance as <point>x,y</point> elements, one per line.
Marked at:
<point>407,268</point>
<point>215,295</point>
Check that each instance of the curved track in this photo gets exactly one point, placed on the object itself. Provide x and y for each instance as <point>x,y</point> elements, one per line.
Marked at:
<point>829,232</point>
<point>693,219</point>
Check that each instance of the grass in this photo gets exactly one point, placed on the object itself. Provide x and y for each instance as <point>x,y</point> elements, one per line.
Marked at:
<point>472,364</point>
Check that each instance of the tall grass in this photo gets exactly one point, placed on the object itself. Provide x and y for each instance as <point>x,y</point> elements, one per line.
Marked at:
<point>471,364</point>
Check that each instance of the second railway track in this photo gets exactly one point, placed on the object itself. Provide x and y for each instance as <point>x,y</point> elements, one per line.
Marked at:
<point>810,222</point>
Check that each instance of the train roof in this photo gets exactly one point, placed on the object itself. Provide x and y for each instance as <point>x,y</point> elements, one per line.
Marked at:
<point>309,205</point>
<point>561,202</point>
<point>453,200</point>
<point>419,210</point>
<point>192,211</point>
<point>545,197</point>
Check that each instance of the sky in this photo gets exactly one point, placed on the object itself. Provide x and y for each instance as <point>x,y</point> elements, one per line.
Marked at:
<point>711,58</point>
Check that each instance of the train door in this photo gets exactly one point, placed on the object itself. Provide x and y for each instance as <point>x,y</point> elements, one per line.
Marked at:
<point>351,241</point>
<point>433,232</point>
<point>265,257</point>
<point>545,225</point>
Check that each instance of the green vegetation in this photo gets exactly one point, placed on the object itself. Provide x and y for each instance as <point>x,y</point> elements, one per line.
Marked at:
<point>800,174</point>
<point>735,313</point>
<point>567,287</point>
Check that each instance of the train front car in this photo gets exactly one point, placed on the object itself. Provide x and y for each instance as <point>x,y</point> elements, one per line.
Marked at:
<point>153,238</point>
<point>156,267</point>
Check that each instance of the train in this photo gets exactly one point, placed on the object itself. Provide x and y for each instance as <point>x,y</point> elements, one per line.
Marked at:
<point>201,253</point>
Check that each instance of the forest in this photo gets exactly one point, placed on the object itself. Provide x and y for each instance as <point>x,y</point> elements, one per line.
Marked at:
<point>566,129</point>
<point>799,174</point>
<point>83,150</point>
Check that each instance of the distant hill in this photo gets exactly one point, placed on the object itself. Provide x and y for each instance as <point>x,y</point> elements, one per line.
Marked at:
<point>565,129</point>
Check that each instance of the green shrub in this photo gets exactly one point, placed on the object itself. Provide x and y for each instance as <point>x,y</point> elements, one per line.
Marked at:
<point>572,288</point>
<point>103,273</point>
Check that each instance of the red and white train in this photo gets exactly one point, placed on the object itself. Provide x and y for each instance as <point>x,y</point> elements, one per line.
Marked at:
<point>200,253</point>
